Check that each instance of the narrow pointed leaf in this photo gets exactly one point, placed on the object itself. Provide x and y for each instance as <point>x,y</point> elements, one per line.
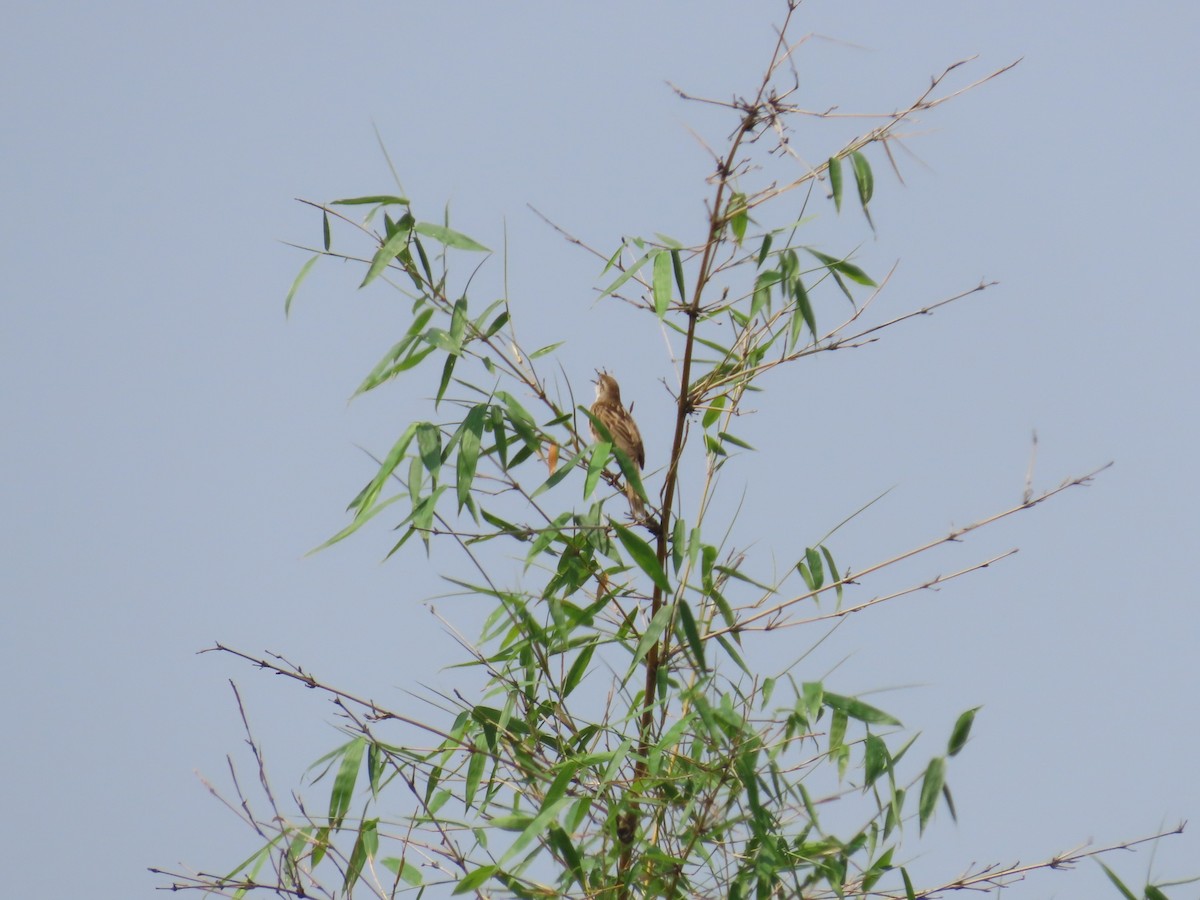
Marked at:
<point>449,237</point>
<point>662,282</point>
<point>651,635</point>
<point>429,445</point>
<point>384,255</point>
<point>300,276</point>
<point>643,555</point>
<point>962,730</point>
<point>835,181</point>
<point>599,459</point>
<point>931,789</point>
<point>381,199</point>
<point>677,265</point>
<point>626,275</point>
<point>856,709</point>
<point>343,784</point>
<point>468,451</point>
<point>1117,883</point>
<point>863,178</point>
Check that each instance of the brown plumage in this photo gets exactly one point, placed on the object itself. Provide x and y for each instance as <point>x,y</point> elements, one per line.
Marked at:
<point>624,431</point>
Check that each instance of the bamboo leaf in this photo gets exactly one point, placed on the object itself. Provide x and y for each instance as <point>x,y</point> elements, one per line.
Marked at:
<point>578,668</point>
<point>643,556</point>
<point>651,635</point>
<point>662,282</point>
<point>677,265</point>
<point>343,784</point>
<point>856,709</point>
<point>738,214</point>
<point>449,237</point>
<point>474,880</point>
<point>863,179</point>
<point>626,275</point>
<point>380,199</point>
<point>687,622</point>
<point>599,459</point>
<point>835,181</point>
<point>403,869</point>
<point>384,255</point>
<point>301,275</point>
<point>429,445</point>
<point>931,788</point>
<point>563,470</point>
<point>447,371</point>
<point>468,451</point>
<point>1117,883</point>
<point>962,730</point>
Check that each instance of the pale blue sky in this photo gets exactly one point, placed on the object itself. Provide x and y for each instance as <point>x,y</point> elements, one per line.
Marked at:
<point>172,446</point>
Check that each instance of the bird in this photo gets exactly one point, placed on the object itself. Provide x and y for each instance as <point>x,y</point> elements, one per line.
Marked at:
<point>608,409</point>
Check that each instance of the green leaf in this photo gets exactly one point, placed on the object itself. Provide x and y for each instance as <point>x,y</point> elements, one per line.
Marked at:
<point>662,282</point>
<point>381,199</point>
<point>678,536</point>
<point>449,237</point>
<point>762,290</point>
<point>875,759</point>
<point>835,181</point>
<point>403,869</point>
<point>730,439</point>
<point>738,215</point>
<point>599,459</point>
<point>931,788</point>
<point>343,783</point>
<point>366,845</point>
<point>643,555</point>
<point>863,178</point>
<point>476,761</point>
<point>764,250</point>
<point>447,372</point>
<point>359,520</point>
<point>651,635</point>
<point>814,567</point>
<point>564,469</point>
<point>626,275</point>
<point>677,265</point>
<point>561,843</point>
<point>688,622</point>
<point>856,709</point>
<point>545,817</point>
<point>304,270</point>
<point>549,348</point>
<point>499,322</point>
<point>468,450</point>
<point>385,254</point>
<point>814,698</point>
<point>1153,893</point>
<point>851,271</point>
<point>366,497</point>
<point>962,730</point>
<point>1117,883</point>
<point>909,893</point>
<point>474,880</point>
<point>429,445</point>
<point>837,730</point>
<point>804,311</point>
<point>713,412</point>
<point>578,668</point>
<point>833,572</point>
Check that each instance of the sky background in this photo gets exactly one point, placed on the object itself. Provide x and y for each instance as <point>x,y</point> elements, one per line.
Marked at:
<point>173,446</point>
